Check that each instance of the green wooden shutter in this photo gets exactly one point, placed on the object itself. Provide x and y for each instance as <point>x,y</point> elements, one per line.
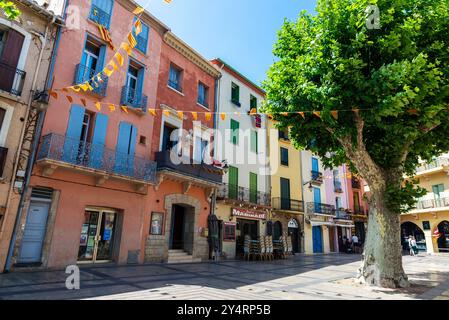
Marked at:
<point>235,131</point>
<point>253,102</point>
<point>233,182</point>
<point>252,187</point>
<point>254,141</point>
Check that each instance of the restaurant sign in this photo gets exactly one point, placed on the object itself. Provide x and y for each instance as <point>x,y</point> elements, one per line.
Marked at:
<point>248,213</point>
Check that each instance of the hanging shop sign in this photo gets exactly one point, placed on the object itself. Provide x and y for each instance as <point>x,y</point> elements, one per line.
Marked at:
<point>248,214</point>
<point>293,223</point>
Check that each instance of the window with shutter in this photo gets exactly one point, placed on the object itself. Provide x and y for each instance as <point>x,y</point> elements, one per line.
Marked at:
<point>254,141</point>
<point>235,131</point>
<point>252,187</point>
<point>235,94</point>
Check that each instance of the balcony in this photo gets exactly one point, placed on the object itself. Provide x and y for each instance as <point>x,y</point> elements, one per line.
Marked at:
<point>99,16</point>
<point>358,211</point>
<point>83,74</point>
<point>244,195</point>
<point>131,97</point>
<point>317,208</point>
<point>338,188</point>
<point>317,177</point>
<point>3,154</point>
<point>432,204</point>
<point>434,166</point>
<point>342,214</point>
<point>355,183</point>
<point>287,204</point>
<point>61,151</point>
<point>202,174</point>
<point>12,79</point>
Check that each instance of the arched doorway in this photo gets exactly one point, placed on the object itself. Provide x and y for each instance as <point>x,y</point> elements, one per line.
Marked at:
<point>277,230</point>
<point>293,231</point>
<point>443,240</point>
<point>411,229</point>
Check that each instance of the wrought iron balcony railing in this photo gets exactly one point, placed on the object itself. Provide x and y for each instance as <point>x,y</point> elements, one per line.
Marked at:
<point>432,203</point>
<point>83,74</point>
<point>287,204</point>
<point>199,171</point>
<point>99,16</point>
<point>12,79</point>
<point>355,183</point>
<point>3,154</point>
<point>317,177</point>
<point>438,162</point>
<point>234,192</point>
<point>131,97</point>
<point>96,156</point>
<point>342,214</point>
<point>338,188</point>
<point>320,208</point>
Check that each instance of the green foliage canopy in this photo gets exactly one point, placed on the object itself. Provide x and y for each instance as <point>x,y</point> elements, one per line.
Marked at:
<point>397,76</point>
<point>10,9</point>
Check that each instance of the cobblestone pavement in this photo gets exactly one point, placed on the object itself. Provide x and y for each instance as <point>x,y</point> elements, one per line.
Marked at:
<point>298,277</point>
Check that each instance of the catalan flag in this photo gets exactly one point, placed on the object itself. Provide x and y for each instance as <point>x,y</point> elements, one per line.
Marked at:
<point>106,36</point>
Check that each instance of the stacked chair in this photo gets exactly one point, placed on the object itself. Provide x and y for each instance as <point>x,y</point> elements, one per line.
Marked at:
<point>246,247</point>
<point>269,247</point>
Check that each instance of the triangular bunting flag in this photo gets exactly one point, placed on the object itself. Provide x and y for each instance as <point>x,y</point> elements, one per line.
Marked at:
<point>98,106</point>
<point>166,113</point>
<point>125,46</point>
<point>111,107</point>
<point>138,27</point>
<point>74,88</point>
<point>114,66</point>
<point>223,116</point>
<point>132,41</point>
<point>207,116</point>
<point>70,99</point>
<point>284,113</point>
<point>195,115</point>
<point>118,56</point>
<point>317,113</point>
<point>152,112</point>
<point>302,115</point>
<point>138,10</point>
<point>125,108</point>
<point>334,114</point>
<point>53,94</point>
<point>107,71</point>
<point>181,115</point>
<point>83,101</point>
<point>253,111</point>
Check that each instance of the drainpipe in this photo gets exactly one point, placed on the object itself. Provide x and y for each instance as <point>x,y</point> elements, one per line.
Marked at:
<point>43,40</point>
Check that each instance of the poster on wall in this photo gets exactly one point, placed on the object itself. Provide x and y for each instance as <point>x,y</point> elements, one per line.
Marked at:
<point>107,234</point>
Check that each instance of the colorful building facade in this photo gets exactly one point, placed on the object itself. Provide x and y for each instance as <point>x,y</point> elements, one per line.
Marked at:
<point>286,188</point>
<point>243,201</point>
<point>184,190</point>
<point>429,221</point>
<point>89,189</point>
<point>26,46</point>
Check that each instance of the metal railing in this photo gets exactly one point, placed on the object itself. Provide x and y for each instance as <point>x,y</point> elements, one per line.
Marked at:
<point>131,97</point>
<point>317,176</point>
<point>359,211</point>
<point>342,214</point>
<point>234,192</point>
<point>99,16</point>
<point>287,204</point>
<point>432,203</point>
<point>83,74</point>
<point>201,171</point>
<point>12,79</point>
<point>438,162</point>
<point>3,154</point>
<point>320,208</point>
<point>96,156</point>
<point>355,183</point>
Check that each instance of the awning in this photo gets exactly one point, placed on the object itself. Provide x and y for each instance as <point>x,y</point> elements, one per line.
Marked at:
<point>322,223</point>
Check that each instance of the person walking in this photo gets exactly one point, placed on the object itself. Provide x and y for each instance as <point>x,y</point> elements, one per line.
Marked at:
<point>410,246</point>
<point>414,246</point>
<point>355,243</point>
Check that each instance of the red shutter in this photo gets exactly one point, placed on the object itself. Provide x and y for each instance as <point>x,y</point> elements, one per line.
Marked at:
<point>10,58</point>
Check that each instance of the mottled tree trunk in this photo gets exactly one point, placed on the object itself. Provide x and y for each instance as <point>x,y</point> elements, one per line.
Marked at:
<point>382,256</point>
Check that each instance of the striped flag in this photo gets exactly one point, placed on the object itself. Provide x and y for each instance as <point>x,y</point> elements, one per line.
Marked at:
<point>106,36</point>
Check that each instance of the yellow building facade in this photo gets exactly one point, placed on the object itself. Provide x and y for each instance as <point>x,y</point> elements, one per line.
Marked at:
<point>287,215</point>
<point>429,222</point>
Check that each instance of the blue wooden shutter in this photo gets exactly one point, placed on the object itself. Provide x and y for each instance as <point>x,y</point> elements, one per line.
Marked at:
<point>98,141</point>
<point>101,59</point>
<point>132,150</point>
<point>73,134</point>
<point>317,199</point>
<point>121,156</point>
<point>315,166</point>
<point>139,89</point>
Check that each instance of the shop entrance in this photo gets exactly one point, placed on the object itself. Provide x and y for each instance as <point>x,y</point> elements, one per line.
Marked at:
<point>332,242</point>
<point>293,231</point>
<point>97,236</point>
<point>317,239</point>
<point>246,227</point>
<point>182,228</point>
<point>443,240</point>
<point>411,229</point>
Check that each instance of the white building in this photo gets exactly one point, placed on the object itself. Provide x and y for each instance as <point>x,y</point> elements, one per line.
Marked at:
<point>243,201</point>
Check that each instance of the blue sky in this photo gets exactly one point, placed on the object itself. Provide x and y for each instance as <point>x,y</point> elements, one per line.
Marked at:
<point>241,32</point>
